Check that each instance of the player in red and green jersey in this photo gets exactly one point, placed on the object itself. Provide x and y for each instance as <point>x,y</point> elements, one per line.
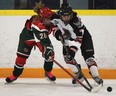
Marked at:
<point>35,33</point>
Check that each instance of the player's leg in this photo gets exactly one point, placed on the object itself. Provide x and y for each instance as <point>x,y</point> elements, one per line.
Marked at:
<point>87,50</point>
<point>23,53</point>
<point>18,69</point>
<point>69,59</point>
<point>48,66</point>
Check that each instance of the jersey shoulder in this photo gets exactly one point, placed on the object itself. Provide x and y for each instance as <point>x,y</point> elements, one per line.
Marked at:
<point>38,25</point>
<point>30,20</point>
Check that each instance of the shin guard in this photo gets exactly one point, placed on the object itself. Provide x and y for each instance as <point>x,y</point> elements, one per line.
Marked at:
<point>19,66</point>
<point>92,65</point>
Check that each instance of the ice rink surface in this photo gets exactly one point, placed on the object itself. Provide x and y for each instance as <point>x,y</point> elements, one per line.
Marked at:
<point>41,87</point>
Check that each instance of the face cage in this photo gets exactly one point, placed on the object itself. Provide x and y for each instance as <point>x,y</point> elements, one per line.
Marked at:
<point>67,21</point>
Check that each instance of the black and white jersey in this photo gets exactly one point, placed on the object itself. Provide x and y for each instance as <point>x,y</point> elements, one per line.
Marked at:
<point>79,35</point>
<point>74,28</point>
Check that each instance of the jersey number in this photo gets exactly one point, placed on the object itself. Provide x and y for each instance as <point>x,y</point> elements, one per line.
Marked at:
<point>43,35</point>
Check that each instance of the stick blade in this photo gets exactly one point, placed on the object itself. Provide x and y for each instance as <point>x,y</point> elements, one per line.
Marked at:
<point>96,89</point>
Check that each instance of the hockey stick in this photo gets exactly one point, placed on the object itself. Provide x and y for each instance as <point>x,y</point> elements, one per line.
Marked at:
<point>88,89</point>
<point>77,65</point>
<point>93,90</point>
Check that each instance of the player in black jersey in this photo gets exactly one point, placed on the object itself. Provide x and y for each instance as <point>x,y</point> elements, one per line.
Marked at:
<point>74,36</point>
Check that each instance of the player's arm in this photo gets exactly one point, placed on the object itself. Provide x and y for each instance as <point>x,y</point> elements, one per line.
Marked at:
<point>43,42</point>
<point>58,34</point>
<point>79,27</point>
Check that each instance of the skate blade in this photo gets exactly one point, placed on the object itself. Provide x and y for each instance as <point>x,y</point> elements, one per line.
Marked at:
<point>77,83</point>
<point>53,82</point>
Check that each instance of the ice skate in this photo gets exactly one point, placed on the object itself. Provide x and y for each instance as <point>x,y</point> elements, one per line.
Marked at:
<point>11,79</point>
<point>79,76</point>
<point>50,77</point>
<point>98,80</point>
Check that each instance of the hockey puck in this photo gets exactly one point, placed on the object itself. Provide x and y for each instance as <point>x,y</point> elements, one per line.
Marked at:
<point>109,89</point>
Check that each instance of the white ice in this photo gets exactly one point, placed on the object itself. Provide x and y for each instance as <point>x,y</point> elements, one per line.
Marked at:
<point>41,87</point>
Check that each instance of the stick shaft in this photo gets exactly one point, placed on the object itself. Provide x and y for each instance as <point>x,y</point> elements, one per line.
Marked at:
<point>88,89</point>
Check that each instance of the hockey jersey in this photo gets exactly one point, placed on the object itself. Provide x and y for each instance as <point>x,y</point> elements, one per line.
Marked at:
<point>74,28</point>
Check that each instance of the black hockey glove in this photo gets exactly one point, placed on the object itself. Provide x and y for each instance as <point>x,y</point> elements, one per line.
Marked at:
<point>49,53</point>
<point>66,34</point>
<point>58,35</point>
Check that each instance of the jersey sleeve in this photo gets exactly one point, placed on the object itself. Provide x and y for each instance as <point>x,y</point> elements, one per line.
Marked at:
<point>76,20</point>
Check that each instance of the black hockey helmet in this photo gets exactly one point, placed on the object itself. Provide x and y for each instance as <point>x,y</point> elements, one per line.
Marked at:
<point>65,9</point>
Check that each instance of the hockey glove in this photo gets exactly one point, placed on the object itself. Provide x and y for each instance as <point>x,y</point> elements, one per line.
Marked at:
<point>66,34</point>
<point>48,53</point>
<point>59,35</point>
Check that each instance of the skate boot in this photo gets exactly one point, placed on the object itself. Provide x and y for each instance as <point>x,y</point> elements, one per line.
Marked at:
<point>50,77</point>
<point>79,76</point>
<point>11,79</point>
<point>98,80</point>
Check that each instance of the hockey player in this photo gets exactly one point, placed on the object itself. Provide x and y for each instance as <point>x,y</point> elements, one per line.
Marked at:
<point>37,27</point>
<point>75,36</point>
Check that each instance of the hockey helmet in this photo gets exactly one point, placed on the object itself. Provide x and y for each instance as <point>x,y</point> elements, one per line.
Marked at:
<point>65,10</point>
<point>45,12</point>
